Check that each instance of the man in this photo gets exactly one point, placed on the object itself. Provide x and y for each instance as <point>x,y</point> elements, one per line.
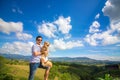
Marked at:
<point>35,60</point>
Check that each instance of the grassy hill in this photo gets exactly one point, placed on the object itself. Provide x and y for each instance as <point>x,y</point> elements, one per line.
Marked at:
<point>11,69</point>
<point>17,70</point>
<point>20,72</point>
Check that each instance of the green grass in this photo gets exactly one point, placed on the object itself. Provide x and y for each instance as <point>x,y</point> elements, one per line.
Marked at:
<point>21,72</point>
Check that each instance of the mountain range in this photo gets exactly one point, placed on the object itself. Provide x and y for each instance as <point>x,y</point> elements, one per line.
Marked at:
<point>82,60</point>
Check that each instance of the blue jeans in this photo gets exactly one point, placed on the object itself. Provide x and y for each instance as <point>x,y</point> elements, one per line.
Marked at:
<point>33,68</point>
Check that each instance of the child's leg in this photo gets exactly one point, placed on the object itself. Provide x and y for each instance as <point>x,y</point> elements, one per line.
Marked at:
<point>48,63</point>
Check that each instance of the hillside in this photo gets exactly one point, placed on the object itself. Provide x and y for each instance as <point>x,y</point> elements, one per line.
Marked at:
<point>18,70</point>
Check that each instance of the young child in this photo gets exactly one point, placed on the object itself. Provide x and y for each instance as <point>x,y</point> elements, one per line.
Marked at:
<point>44,53</point>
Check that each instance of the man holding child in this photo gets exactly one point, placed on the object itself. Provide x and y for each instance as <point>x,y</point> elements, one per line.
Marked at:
<point>35,61</point>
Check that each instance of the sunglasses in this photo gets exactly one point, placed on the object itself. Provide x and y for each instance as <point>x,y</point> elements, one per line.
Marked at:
<point>39,39</point>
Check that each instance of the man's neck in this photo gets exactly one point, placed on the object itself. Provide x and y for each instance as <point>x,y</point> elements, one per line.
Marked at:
<point>38,44</point>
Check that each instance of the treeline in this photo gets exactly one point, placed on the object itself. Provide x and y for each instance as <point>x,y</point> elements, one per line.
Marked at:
<point>73,71</point>
<point>64,71</point>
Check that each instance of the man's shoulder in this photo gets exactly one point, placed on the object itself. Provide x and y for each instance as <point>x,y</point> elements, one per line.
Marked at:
<point>33,45</point>
<point>36,45</point>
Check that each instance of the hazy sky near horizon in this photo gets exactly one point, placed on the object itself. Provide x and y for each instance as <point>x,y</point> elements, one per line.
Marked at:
<point>74,28</point>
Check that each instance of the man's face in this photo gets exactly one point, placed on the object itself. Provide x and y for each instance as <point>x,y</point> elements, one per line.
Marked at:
<point>38,41</point>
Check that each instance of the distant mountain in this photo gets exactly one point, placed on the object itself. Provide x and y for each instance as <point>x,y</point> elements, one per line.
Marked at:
<point>82,60</point>
<point>75,59</point>
<point>15,56</point>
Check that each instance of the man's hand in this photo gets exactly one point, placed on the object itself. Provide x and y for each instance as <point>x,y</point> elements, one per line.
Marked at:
<point>36,53</point>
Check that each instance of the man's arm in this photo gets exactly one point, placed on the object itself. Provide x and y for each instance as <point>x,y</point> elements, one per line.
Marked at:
<point>35,50</point>
<point>36,53</point>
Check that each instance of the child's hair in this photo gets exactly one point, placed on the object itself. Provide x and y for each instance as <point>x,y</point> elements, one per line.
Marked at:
<point>44,47</point>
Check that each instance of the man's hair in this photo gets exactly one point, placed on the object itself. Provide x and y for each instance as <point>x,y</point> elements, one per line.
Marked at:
<point>38,37</point>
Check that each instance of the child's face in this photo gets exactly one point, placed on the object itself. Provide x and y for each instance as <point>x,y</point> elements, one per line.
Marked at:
<point>47,44</point>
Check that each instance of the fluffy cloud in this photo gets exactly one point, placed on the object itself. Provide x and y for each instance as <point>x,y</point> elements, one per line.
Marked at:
<point>23,36</point>
<point>62,45</point>
<point>60,26</point>
<point>94,34</point>
<point>48,29</point>
<point>17,48</point>
<point>92,39</point>
<point>16,27</point>
<point>97,16</point>
<point>63,24</point>
<point>112,9</point>
<point>67,36</point>
<point>8,27</point>
<point>104,38</point>
<point>110,36</point>
<point>94,27</point>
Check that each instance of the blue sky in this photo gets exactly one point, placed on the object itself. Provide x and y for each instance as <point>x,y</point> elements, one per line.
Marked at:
<point>75,28</point>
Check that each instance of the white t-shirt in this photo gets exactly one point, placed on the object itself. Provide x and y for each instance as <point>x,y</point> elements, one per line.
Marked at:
<point>35,59</point>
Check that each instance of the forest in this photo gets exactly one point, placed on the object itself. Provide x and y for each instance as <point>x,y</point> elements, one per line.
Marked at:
<point>11,69</point>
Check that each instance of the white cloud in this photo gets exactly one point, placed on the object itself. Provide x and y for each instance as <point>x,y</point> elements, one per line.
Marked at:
<point>103,38</point>
<point>110,36</point>
<point>62,45</point>
<point>97,16</point>
<point>8,27</point>
<point>94,34</point>
<point>115,27</point>
<point>61,26</point>
<point>112,9</point>
<point>23,36</point>
<point>17,48</point>
<point>16,27</point>
<point>92,39</point>
<point>67,36</point>
<point>94,27</point>
<point>48,29</point>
